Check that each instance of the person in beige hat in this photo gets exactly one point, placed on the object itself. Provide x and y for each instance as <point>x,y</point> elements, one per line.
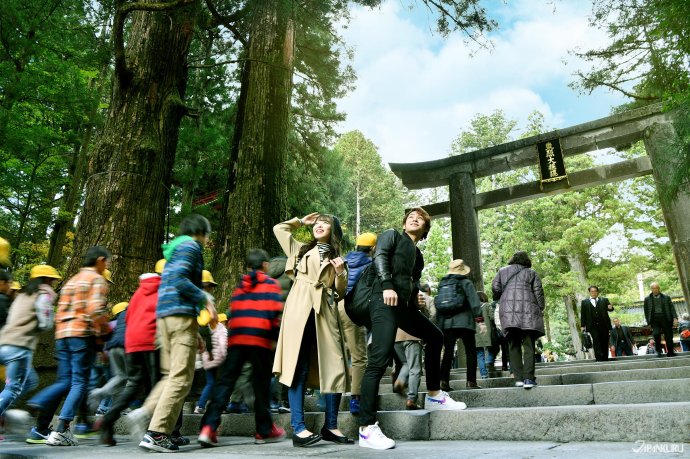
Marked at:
<point>459,323</point>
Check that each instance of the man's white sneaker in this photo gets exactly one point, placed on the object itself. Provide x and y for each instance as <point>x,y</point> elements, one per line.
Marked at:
<point>65,438</point>
<point>372,437</point>
<point>442,401</point>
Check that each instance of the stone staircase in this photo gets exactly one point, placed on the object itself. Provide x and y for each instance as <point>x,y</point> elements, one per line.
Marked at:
<point>626,399</point>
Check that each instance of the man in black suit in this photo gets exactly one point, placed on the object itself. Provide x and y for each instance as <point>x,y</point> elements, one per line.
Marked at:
<point>594,318</point>
<point>662,317</point>
<point>621,339</point>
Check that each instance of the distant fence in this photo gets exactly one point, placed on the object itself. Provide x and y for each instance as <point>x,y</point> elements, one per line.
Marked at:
<point>637,308</point>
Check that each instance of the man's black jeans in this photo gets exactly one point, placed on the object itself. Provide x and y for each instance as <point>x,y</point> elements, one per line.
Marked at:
<point>385,321</point>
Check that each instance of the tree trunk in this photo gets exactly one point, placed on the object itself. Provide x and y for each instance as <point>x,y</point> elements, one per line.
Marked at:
<point>130,170</point>
<point>574,325</point>
<point>255,197</point>
<point>547,326</point>
<point>359,208</point>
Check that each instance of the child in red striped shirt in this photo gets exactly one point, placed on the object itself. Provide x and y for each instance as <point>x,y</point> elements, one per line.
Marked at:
<point>253,329</point>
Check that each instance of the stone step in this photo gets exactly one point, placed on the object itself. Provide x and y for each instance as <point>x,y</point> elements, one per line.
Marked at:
<point>681,360</point>
<point>671,372</point>
<point>553,423</point>
<point>664,390</point>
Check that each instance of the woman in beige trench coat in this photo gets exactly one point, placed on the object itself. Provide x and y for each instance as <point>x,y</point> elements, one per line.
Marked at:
<point>310,323</point>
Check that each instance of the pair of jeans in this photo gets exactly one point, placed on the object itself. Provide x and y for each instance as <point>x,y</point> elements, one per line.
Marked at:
<point>485,358</point>
<point>521,348</point>
<point>450,336</point>
<point>684,345</point>
<point>261,360</point>
<point>385,321</point>
<point>296,390</point>
<point>75,357</point>
<point>410,354</point>
<point>20,376</point>
<point>210,382</point>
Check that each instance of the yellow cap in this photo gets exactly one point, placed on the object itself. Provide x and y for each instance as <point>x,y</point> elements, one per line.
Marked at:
<point>160,264</point>
<point>16,286</point>
<point>108,276</point>
<point>207,277</point>
<point>4,252</point>
<point>204,318</point>
<point>119,307</point>
<point>44,271</point>
<point>222,317</point>
<point>366,240</point>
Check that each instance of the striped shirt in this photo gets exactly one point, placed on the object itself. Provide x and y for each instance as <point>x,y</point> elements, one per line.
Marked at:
<point>255,310</point>
<point>82,310</point>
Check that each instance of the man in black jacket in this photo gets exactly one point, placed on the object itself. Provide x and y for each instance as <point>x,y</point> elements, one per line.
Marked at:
<point>621,339</point>
<point>594,318</point>
<point>662,317</point>
<point>399,263</point>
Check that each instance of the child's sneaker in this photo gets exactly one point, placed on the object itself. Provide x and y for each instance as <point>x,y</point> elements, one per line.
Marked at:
<point>199,410</point>
<point>37,437</point>
<point>158,442</point>
<point>65,438</point>
<point>354,406</point>
<point>276,435</point>
<point>442,401</point>
<point>372,437</point>
<point>207,437</point>
<point>137,421</point>
<point>17,421</point>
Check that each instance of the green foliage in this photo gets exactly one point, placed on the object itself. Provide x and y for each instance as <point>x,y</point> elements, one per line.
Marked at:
<point>646,59</point>
<point>50,54</point>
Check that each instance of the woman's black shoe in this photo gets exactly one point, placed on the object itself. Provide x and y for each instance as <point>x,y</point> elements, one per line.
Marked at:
<point>327,435</point>
<point>306,441</point>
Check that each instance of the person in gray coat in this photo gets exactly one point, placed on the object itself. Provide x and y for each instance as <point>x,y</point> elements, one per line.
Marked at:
<point>520,292</point>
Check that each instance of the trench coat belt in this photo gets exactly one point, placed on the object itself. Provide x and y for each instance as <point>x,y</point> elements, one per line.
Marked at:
<point>317,294</point>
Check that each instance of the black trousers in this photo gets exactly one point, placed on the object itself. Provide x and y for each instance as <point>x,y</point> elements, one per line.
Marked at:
<point>600,342</point>
<point>521,349</point>
<point>450,336</point>
<point>261,360</point>
<point>385,321</point>
<point>143,372</point>
<point>660,326</point>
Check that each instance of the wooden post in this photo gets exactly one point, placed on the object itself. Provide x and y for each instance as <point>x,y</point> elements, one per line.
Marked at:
<point>659,141</point>
<point>465,225</point>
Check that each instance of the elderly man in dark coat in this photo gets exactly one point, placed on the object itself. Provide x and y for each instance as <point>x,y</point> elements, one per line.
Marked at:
<point>662,317</point>
<point>518,289</point>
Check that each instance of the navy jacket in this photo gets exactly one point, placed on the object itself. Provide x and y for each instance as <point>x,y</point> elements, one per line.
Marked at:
<point>118,338</point>
<point>356,262</point>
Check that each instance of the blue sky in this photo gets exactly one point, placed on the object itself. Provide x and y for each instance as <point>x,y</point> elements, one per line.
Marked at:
<point>416,91</point>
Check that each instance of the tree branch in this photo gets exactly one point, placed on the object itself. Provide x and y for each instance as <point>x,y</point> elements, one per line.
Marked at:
<point>228,20</point>
<point>122,10</point>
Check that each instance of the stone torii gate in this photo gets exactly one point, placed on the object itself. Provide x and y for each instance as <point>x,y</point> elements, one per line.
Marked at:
<point>648,123</point>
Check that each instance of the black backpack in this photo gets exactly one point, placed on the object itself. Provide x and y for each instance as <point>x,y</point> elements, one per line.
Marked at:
<point>357,300</point>
<point>450,299</point>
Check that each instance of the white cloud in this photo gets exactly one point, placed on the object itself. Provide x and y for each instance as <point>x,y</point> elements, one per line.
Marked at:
<point>415,92</point>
